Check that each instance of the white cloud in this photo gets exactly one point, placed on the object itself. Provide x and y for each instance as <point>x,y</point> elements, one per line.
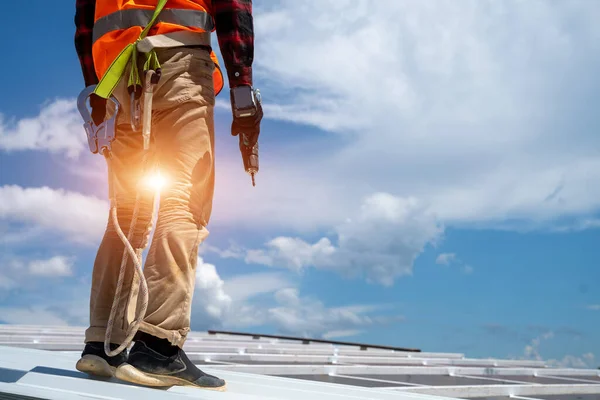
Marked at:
<point>55,266</point>
<point>82,219</point>
<point>240,302</point>
<point>440,103</point>
<point>576,226</point>
<point>9,236</point>
<point>12,273</point>
<point>211,303</point>
<point>256,299</point>
<point>467,269</point>
<point>37,302</point>
<point>219,302</point>
<point>6,283</point>
<point>341,334</point>
<point>451,258</point>
<point>60,304</point>
<point>245,287</point>
<point>232,303</point>
<point>587,360</point>
<point>304,316</point>
<point>445,258</point>
<point>381,241</point>
<point>431,61</point>
<point>27,273</point>
<point>287,297</point>
<point>37,315</point>
<point>293,253</point>
<point>58,128</point>
<point>531,351</point>
<point>594,307</point>
<point>233,251</point>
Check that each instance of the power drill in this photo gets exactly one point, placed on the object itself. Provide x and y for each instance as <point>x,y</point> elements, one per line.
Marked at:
<point>249,156</point>
<point>244,104</point>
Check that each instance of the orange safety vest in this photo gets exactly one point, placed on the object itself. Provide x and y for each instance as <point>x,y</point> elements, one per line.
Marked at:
<point>118,23</point>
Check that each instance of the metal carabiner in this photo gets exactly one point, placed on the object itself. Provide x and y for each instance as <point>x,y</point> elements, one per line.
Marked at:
<point>151,80</point>
<point>136,108</point>
<point>100,137</point>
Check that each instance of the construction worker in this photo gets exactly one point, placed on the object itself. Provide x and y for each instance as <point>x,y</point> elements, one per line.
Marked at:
<point>183,143</point>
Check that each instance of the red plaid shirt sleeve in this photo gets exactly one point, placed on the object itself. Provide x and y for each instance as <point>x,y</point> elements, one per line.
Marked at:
<point>235,34</point>
<point>84,23</point>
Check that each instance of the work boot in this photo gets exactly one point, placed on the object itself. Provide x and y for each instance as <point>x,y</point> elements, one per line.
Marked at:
<point>94,360</point>
<point>155,362</point>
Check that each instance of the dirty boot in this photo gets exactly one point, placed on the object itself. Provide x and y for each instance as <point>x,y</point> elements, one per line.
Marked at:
<point>94,360</point>
<point>155,362</point>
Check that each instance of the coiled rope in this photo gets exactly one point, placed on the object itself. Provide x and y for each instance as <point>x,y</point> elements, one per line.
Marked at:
<point>129,251</point>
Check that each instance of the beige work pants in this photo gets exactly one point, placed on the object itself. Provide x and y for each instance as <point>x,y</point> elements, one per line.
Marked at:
<point>183,144</point>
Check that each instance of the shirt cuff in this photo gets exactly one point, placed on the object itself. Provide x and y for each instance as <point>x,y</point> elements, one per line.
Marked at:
<point>240,76</point>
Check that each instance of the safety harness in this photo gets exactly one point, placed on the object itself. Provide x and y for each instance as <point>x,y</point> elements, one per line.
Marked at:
<point>100,138</point>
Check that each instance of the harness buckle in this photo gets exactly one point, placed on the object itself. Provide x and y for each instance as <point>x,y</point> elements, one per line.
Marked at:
<point>100,137</point>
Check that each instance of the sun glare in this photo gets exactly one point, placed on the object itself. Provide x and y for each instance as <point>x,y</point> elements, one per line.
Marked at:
<point>155,181</point>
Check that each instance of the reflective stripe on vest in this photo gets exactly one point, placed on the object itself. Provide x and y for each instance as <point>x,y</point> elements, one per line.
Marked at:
<point>131,17</point>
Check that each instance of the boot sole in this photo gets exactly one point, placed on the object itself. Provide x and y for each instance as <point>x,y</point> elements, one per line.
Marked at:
<point>95,365</point>
<point>129,373</point>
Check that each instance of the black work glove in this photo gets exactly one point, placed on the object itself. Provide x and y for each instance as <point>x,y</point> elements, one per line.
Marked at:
<point>249,126</point>
<point>98,105</point>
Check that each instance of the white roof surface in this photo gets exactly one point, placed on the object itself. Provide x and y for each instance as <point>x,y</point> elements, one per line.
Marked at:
<point>39,362</point>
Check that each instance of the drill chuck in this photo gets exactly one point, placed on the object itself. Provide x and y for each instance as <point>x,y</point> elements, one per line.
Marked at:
<point>249,157</point>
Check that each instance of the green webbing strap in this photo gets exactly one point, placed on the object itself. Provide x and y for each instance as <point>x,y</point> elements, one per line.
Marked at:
<point>115,71</point>
<point>151,61</point>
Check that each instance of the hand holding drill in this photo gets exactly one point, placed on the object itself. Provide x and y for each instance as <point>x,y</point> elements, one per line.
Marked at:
<point>247,115</point>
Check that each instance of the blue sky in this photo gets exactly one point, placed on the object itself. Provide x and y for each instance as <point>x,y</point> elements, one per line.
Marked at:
<point>428,180</point>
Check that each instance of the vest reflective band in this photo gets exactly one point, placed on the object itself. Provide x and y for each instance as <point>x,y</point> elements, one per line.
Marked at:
<point>125,19</point>
<point>119,23</point>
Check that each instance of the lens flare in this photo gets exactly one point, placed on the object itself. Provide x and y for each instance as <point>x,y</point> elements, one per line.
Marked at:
<point>155,181</point>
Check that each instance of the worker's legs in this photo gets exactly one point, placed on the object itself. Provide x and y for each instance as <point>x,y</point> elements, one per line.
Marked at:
<point>184,133</point>
<point>126,162</point>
